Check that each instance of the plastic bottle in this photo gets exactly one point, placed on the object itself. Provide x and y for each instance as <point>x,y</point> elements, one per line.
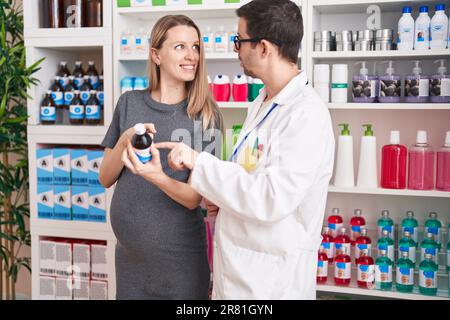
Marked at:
<point>428,276</point>
<point>429,246</point>
<point>141,45</point>
<point>417,86</point>
<point>410,224</point>
<point>126,85</point>
<point>344,174</point>
<point>383,272</point>
<point>254,87</point>
<point>339,83</point>
<point>364,85</point>
<point>422,30</point>
<point>366,270</point>
<point>328,243</point>
<point>93,75</point>
<point>409,245</point>
<point>405,273</point>
<point>68,96</point>
<point>357,222</point>
<point>76,109</point>
<point>85,90</point>
<point>367,170</point>
<point>434,226</point>
<point>335,222</point>
<point>221,40</point>
<point>390,86</point>
<point>342,242</point>
<point>231,36</point>
<point>421,164</point>
<point>140,83</point>
<point>93,109</point>
<point>63,74</point>
<point>58,99</point>
<point>443,166</point>
<point>141,143</point>
<point>100,92</point>
<point>439,28</point>
<point>363,242</point>
<point>406,30</point>
<point>385,223</point>
<point>240,88</point>
<point>386,243</point>
<point>322,81</point>
<point>322,267</point>
<point>440,84</point>
<point>208,40</point>
<point>222,88</point>
<point>48,109</point>
<point>393,163</point>
<point>78,73</point>
<point>94,13</point>
<point>126,43</point>
<point>343,268</point>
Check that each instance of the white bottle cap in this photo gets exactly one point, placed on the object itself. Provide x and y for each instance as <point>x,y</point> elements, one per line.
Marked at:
<point>421,136</point>
<point>139,128</point>
<point>321,73</point>
<point>447,138</point>
<point>395,137</point>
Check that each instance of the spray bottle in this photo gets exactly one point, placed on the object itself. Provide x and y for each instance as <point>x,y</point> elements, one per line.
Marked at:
<point>417,86</point>
<point>390,85</point>
<point>440,84</point>
<point>364,85</point>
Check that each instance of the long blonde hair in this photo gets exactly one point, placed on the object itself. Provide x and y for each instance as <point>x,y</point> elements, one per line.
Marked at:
<point>200,100</point>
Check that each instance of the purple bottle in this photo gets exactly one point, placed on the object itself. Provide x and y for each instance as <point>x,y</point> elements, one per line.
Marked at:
<point>390,86</point>
<point>440,85</point>
<point>364,87</point>
<point>417,86</point>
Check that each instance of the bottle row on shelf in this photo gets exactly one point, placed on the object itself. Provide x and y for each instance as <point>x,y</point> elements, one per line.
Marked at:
<point>71,13</point>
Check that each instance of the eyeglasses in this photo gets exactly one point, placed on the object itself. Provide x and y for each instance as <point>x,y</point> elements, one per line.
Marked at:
<point>237,41</point>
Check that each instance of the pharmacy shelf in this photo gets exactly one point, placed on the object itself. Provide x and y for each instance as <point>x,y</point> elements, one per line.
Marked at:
<point>389,106</point>
<point>234,105</point>
<point>389,192</point>
<point>57,34</point>
<point>228,56</point>
<point>72,229</point>
<point>68,130</point>
<point>372,55</point>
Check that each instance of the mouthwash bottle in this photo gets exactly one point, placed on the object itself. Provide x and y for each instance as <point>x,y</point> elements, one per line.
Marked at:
<point>407,244</point>
<point>356,223</point>
<point>385,223</point>
<point>343,268</point>
<point>434,226</point>
<point>405,273</point>
<point>387,244</point>
<point>383,272</point>
<point>428,276</point>
<point>328,244</point>
<point>335,222</point>
<point>341,242</point>
<point>366,270</point>
<point>429,246</point>
<point>141,142</point>
<point>363,242</point>
<point>411,225</point>
<point>322,267</point>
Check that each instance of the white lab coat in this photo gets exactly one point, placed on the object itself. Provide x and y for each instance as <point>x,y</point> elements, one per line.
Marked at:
<point>268,229</point>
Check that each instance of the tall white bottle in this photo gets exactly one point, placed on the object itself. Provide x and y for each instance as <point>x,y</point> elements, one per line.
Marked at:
<point>439,28</point>
<point>406,30</point>
<point>367,171</point>
<point>344,175</point>
<point>422,27</point>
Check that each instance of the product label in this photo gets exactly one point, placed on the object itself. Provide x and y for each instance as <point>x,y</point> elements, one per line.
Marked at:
<point>85,95</point>
<point>78,82</point>
<point>322,268</point>
<point>427,279</point>
<point>389,250</point>
<point>390,88</point>
<point>342,270</point>
<point>448,258</point>
<point>424,87</point>
<point>58,98</point>
<point>143,155</point>
<point>383,273</point>
<point>445,87</point>
<point>388,228</point>
<point>340,247</point>
<point>432,251</point>
<point>413,232</point>
<point>329,249</point>
<point>405,276</point>
<point>101,97</point>
<point>437,233</point>
<point>355,232</point>
<point>92,112</point>
<point>77,112</point>
<point>64,81</point>
<point>438,33</point>
<point>360,247</point>
<point>411,252</point>
<point>68,96</point>
<point>422,32</point>
<point>339,86</point>
<point>48,114</point>
<point>94,81</point>
<point>44,159</point>
<point>366,273</point>
<point>334,228</point>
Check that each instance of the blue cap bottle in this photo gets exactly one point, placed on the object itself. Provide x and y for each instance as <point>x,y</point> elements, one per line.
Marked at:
<point>424,9</point>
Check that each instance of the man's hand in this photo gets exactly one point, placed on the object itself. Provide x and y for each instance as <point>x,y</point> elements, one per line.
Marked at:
<point>212,209</point>
<point>181,157</point>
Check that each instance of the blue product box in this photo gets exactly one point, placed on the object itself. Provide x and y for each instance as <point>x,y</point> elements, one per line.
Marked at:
<point>63,203</point>
<point>44,159</point>
<point>79,167</point>
<point>61,166</point>
<point>97,204</point>
<point>95,158</point>
<point>80,203</point>
<point>45,201</point>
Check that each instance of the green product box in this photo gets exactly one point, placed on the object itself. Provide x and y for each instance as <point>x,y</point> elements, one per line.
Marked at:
<point>123,3</point>
<point>195,1</point>
<point>159,2</point>
<point>232,1</point>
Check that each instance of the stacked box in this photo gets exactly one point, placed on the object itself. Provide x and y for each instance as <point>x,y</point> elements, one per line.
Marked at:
<point>61,166</point>
<point>44,159</point>
<point>81,260</point>
<point>80,203</point>
<point>63,203</point>
<point>95,159</point>
<point>47,257</point>
<point>79,167</point>
<point>45,201</point>
<point>64,288</point>
<point>97,204</point>
<point>99,290</point>
<point>47,288</point>
<point>63,266</point>
<point>99,261</point>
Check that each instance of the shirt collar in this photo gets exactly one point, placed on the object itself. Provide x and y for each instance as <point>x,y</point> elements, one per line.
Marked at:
<point>291,91</point>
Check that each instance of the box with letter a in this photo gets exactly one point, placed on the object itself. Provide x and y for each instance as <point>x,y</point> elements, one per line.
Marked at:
<point>63,203</point>
<point>97,205</point>
<point>95,158</point>
<point>45,201</point>
<point>44,159</point>
<point>61,166</point>
<point>80,203</point>
<point>79,167</point>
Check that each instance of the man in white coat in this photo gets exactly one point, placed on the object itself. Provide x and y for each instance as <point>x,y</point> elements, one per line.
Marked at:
<point>271,195</point>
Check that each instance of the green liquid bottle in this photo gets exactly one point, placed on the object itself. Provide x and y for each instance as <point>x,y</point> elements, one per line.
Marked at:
<point>405,273</point>
<point>428,276</point>
<point>385,223</point>
<point>429,246</point>
<point>407,244</point>
<point>383,272</point>
<point>387,244</point>
<point>411,225</point>
<point>434,226</point>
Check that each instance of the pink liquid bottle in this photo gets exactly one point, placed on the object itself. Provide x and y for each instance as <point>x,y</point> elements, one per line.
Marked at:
<point>328,243</point>
<point>335,222</point>
<point>356,223</point>
<point>342,242</point>
<point>366,270</point>
<point>222,88</point>
<point>363,242</point>
<point>393,163</point>
<point>343,268</point>
<point>322,267</point>
<point>240,88</point>
<point>443,166</point>
<point>421,164</point>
